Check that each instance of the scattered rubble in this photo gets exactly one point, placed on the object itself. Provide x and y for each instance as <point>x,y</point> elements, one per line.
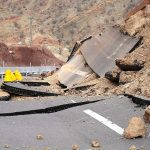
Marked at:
<point>95,144</point>
<point>75,147</point>
<point>6,146</point>
<point>136,128</point>
<point>132,148</point>
<point>147,115</point>
<point>39,137</point>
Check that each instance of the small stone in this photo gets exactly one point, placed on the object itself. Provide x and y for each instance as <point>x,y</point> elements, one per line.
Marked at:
<point>75,147</point>
<point>132,148</point>
<point>6,146</point>
<point>147,115</point>
<point>39,137</point>
<point>136,128</point>
<point>95,144</point>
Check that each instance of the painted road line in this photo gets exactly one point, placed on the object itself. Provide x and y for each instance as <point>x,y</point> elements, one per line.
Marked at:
<point>104,121</point>
<point>73,101</point>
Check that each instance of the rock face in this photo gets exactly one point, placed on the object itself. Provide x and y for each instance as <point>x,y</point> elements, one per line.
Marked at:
<point>136,128</point>
<point>147,115</point>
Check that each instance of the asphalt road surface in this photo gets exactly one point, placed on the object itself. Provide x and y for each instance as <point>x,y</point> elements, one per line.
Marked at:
<point>103,120</point>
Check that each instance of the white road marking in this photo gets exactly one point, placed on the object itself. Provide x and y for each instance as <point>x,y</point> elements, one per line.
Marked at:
<point>104,121</point>
<point>73,101</point>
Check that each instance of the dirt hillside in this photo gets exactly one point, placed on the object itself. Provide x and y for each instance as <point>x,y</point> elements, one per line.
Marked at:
<point>64,20</point>
<point>24,56</point>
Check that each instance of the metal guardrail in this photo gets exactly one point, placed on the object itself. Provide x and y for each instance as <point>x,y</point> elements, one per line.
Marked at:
<point>25,70</point>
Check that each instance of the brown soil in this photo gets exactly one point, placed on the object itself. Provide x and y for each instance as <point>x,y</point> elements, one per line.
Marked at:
<point>23,56</point>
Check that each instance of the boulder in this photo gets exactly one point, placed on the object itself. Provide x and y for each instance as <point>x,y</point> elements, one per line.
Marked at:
<point>112,76</point>
<point>147,115</point>
<point>127,65</point>
<point>136,128</point>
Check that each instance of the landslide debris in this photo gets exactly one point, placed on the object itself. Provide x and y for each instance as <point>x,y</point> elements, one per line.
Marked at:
<point>132,73</point>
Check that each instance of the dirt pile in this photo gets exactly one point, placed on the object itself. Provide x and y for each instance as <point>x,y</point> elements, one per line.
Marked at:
<point>24,56</point>
<point>139,80</point>
<point>132,75</point>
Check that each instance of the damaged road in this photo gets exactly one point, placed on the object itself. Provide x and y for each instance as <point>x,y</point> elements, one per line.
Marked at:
<point>97,54</point>
<point>21,89</point>
<point>77,125</point>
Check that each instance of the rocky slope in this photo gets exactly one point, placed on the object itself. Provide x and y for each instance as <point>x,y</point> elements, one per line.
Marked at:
<point>64,20</point>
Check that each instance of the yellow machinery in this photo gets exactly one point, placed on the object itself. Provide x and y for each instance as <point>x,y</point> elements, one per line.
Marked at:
<point>11,77</point>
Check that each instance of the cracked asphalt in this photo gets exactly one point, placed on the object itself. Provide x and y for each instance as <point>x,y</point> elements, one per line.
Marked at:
<point>62,129</point>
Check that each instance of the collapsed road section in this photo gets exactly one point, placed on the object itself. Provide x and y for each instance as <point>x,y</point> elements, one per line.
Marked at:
<point>21,89</point>
<point>140,100</point>
<point>97,54</point>
<point>101,52</point>
<point>76,125</point>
